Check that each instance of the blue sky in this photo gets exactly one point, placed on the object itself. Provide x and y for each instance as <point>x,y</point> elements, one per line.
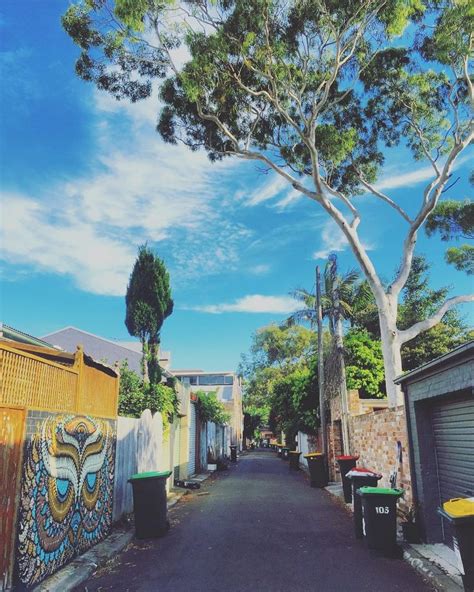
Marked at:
<point>86,179</point>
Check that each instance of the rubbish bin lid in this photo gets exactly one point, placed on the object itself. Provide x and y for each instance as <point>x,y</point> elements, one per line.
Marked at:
<point>347,457</point>
<point>150,475</point>
<point>362,473</point>
<point>313,455</point>
<point>459,507</point>
<point>294,452</point>
<point>381,491</point>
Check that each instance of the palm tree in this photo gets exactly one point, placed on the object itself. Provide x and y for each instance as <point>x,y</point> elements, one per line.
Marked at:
<point>352,294</point>
<point>342,295</point>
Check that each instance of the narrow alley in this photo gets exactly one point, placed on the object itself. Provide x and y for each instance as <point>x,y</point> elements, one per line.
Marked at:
<point>256,527</point>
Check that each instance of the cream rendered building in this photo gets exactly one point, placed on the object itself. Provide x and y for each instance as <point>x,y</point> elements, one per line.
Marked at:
<point>227,386</point>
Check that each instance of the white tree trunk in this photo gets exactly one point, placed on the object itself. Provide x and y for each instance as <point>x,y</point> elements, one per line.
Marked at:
<point>392,357</point>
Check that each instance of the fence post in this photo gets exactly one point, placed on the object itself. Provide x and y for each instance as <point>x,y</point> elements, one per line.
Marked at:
<point>79,366</point>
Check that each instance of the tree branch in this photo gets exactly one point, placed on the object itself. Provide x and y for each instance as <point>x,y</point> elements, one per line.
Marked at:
<point>429,204</point>
<point>385,198</point>
<point>422,326</point>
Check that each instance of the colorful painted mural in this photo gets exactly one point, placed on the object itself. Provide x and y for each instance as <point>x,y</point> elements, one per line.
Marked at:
<point>67,493</point>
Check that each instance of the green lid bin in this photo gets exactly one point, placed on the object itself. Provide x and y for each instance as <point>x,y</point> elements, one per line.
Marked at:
<point>150,504</point>
<point>379,518</point>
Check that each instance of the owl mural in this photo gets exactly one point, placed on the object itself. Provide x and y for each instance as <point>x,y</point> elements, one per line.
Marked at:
<point>66,495</point>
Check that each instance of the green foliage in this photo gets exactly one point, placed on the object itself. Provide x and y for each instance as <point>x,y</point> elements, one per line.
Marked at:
<point>280,384</point>
<point>364,363</point>
<point>148,304</point>
<point>295,401</point>
<point>135,396</point>
<point>254,417</point>
<point>420,302</point>
<point>462,258</point>
<point>249,60</point>
<point>211,409</point>
<point>277,346</point>
<point>454,220</point>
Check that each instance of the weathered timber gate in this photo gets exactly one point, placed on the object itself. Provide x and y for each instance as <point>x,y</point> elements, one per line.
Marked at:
<point>12,427</point>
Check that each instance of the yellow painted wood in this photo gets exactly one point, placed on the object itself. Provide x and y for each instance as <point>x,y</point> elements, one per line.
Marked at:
<point>28,380</point>
<point>12,434</point>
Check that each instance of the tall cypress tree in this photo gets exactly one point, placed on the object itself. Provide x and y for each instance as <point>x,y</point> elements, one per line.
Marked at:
<point>148,303</point>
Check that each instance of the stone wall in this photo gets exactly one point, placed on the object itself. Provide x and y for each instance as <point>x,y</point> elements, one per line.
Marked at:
<point>374,437</point>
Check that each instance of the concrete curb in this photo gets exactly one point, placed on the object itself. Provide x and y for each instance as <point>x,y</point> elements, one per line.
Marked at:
<point>81,568</point>
<point>430,571</point>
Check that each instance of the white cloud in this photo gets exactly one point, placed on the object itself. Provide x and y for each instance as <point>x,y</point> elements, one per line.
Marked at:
<point>334,241</point>
<point>402,178</point>
<point>261,269</point>
<point>141,190</point>
<point>254,303</point>
<point>289,199</point>
<point>99,264</point>
<point>267,191</point>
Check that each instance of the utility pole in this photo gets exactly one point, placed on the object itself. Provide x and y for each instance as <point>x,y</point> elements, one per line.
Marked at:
<point>322,406</point>
<point>338,334</point>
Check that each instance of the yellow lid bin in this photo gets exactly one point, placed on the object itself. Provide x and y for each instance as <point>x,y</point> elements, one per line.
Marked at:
<point>459,507</point>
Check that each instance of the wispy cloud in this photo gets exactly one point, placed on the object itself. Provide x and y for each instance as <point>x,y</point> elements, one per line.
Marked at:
<point>333,241</point>
<point>275,188</point>
<point>21,85</point>
<point>152,193</point>
<point>410,178</point>
<point>261,269</point>
<point>254,303</point>
<point>99,264</point>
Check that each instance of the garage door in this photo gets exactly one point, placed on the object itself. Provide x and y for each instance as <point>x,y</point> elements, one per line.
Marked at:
<point>192,440</point>
<point>453,428</point>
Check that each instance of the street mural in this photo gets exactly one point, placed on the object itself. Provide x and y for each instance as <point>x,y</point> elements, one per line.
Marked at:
<point>66,495</point>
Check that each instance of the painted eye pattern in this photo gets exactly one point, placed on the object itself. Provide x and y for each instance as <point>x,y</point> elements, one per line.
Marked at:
<point>66,496</point>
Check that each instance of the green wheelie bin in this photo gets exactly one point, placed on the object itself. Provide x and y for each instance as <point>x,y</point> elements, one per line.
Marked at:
<point>379,518</point>
<point>150,504</point>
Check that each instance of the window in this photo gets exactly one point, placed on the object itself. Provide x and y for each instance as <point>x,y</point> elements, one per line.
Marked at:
<point>188,379</point>
<point>215,379</point>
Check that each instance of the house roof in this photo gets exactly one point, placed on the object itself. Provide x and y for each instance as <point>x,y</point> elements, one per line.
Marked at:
<point>16,335</point>
<point>201,373</point>
<point>94,345</point>
<point>451,358</point>
<point>55,355</point>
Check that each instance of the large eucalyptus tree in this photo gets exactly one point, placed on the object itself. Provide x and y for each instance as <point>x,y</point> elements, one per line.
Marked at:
<point>311,89</point>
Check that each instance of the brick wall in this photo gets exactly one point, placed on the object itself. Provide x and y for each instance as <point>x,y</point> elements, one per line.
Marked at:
<point>374,437</point>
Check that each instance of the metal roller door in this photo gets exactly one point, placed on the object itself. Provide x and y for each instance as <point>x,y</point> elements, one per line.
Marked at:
<point>192,439</point>
<point>453,429</point>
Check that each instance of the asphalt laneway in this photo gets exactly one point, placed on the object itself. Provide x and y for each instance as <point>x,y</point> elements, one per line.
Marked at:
<point>257,528</point>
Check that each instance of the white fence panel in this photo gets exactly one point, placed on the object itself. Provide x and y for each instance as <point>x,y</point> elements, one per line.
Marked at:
<point>125,465</point>
<point>139,449</point>
<point>303,447</point>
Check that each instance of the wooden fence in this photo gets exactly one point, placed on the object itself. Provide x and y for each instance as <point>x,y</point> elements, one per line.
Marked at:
<point>36,378</point>
<point>74,384</point>
<point>12,430</point>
